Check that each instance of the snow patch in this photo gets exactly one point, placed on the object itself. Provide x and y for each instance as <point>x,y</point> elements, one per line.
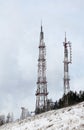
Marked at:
<point>70,118</point>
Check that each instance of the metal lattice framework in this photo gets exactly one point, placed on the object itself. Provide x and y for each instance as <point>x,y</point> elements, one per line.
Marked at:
<point>67,61</point>
<point>41,93</point>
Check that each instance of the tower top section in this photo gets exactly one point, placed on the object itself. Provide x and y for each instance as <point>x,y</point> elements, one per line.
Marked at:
<point>65,38</point>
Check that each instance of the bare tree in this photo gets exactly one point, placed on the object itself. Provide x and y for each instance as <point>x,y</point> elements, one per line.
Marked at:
<point>2,119</point>
<point>9,118</point>
<point>24,113</point>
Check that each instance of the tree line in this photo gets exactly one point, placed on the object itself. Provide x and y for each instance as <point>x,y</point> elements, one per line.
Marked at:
<point>69,99</point>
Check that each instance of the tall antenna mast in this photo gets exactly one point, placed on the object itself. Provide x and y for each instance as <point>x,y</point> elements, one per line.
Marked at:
<point>41,93</point>
<point>67,61</point>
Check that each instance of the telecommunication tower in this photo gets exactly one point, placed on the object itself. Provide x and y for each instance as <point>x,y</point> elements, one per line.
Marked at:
<point>41,93</point>
<point>67,61</point>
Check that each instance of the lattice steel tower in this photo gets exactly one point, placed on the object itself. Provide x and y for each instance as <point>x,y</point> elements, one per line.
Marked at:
<point>41,93</point>
<point>67,61</point>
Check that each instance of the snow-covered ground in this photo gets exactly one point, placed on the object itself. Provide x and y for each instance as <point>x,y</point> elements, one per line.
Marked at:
<point>70,118</point>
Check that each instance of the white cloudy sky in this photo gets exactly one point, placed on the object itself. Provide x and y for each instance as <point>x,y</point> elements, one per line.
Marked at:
<point>20,22</point>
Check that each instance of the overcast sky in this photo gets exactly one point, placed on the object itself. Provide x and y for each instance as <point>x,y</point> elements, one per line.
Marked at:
<point>20,22</point>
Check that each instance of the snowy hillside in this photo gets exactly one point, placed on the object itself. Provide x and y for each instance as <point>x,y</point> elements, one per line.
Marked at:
<point>70,118</point>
